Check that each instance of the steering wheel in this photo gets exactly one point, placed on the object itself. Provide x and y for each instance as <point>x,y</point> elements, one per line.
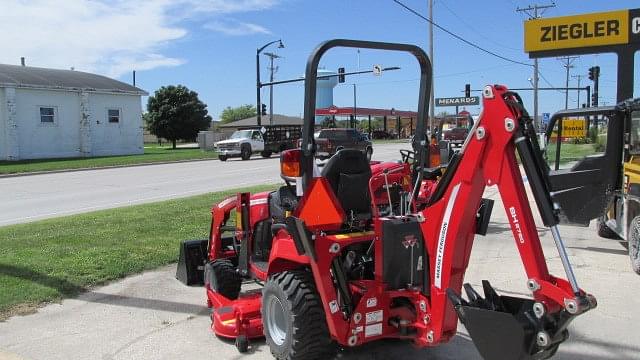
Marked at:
<point>408,156</point>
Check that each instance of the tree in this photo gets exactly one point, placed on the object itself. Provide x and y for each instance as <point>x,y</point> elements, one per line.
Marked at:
<point>237,113</point>
<point>176,113</point>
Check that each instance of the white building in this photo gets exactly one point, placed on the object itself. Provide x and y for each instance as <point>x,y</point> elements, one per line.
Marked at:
<point>47,113</point>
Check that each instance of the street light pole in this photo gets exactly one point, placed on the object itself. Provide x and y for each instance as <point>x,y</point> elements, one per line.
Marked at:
<point>272,69</point>
<point>258,84</point>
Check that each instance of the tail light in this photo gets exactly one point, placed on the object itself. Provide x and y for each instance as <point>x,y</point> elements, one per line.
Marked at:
<point>290,163</point>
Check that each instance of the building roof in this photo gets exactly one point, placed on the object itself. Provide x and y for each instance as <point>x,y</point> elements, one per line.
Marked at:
<point>360,111</point>
<point>252,121</point>
<point>42,78</point>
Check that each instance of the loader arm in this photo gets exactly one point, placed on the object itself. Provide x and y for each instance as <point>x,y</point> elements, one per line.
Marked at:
<point>487,159</point>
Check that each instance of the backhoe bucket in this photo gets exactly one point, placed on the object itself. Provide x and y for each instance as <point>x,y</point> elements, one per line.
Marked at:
<point>505,327</point>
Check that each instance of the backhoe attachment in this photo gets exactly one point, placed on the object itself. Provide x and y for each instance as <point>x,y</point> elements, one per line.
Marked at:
<point>506,327</point>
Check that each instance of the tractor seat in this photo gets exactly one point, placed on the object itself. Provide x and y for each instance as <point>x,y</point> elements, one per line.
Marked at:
<point>348,172</point>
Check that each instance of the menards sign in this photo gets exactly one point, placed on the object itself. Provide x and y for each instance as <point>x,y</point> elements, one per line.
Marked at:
<point>587,30</point>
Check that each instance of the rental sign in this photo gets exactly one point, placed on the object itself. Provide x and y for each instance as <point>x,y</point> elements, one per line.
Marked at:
<point>586,30</point>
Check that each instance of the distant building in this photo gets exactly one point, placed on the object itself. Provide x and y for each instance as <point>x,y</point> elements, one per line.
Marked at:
<point>228,128</point>
<point>47,113</point>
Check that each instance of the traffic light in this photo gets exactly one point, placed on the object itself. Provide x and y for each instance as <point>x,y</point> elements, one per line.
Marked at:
<point>594,99</point>
<point>467,90</point>
<point>341,75</point>
<point>594,72</point>
<point>263,109</point>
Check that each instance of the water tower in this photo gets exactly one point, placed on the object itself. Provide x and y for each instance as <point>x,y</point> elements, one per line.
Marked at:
<point>324,90</point>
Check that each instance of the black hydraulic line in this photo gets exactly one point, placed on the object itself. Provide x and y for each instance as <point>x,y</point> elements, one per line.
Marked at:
<point>343,289</point>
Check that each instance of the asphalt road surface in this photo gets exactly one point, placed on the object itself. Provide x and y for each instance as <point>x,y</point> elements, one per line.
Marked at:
<point>29,198</point>
<point>153,316</point>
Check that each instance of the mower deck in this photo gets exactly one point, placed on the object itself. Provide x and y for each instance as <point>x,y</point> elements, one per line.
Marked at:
<point>233,318</point>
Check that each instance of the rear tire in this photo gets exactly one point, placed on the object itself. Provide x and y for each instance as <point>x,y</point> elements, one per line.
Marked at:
<point>604,231</point>
<point>222,157</point>
<point>224,279</point>
<point>245,153</point>
<point>266,154</point>
<point>294,322</point>
<point>634,244</point>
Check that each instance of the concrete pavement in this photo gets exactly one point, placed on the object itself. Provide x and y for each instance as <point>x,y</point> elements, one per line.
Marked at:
<point>30,198</point>
<point>153,316</point>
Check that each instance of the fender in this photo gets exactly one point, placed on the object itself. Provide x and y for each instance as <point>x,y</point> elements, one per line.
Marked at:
<point>284,255</point>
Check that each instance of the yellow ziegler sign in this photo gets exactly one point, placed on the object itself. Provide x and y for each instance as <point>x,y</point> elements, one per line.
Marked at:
<point>597,29</point>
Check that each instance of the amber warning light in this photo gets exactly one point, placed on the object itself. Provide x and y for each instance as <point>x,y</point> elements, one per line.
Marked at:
<point>290,163</point>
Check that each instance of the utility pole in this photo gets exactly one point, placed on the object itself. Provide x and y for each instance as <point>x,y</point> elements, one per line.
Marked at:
<point>579,77</point>
<point>533,12</point>
<point>431,99</point>
<point>568,61</point>
<point>272,69</point>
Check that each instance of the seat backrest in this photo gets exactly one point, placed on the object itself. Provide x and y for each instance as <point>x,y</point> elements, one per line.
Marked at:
<point>348,172</point>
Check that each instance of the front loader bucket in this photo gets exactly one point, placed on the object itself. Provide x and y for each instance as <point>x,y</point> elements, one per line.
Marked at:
<point>504,327</point>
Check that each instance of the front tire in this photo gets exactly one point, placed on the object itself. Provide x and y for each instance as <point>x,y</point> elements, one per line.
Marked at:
<point>634,244</point>
<point>294,322</point>
<point>222,157</point>
<point>604,231</point>
<point>245,153</point>
<point>224,279</point>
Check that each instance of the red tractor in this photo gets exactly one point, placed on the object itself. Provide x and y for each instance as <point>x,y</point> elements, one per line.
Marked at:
<point>362,251</point>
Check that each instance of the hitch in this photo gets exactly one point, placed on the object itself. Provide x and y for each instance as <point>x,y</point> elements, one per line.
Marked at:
<point>506,327</point>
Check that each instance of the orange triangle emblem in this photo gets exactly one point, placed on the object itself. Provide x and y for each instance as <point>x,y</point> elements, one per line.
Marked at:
<point>319,207</point>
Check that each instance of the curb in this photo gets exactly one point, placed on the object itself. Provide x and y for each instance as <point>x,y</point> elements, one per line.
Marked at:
<point>2,176</point>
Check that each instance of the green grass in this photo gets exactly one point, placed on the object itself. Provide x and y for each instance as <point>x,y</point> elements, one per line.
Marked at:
<point>52,259</point>
<point>569,152</point>
<point>152,154</point>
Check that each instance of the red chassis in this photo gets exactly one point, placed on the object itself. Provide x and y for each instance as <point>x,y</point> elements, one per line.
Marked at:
<point>425,310</point>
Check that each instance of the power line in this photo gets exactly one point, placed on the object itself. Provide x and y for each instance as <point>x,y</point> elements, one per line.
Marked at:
<point>476,31</point>
<point>458,36</point>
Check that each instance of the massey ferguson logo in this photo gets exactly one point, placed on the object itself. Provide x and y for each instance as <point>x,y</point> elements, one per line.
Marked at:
<point>409,241</point>
<point>516,224</point>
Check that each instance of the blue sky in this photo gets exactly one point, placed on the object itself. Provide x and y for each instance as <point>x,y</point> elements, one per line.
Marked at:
<point>209,46</point>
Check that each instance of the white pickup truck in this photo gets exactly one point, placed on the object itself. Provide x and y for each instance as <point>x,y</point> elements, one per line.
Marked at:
<point>242,143</point>
<point>266,140</point>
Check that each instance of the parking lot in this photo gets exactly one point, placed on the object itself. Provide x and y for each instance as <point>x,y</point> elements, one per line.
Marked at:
<point>153,316</point>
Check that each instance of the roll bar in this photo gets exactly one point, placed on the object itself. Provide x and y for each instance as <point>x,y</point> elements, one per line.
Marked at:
<point>308,143</point>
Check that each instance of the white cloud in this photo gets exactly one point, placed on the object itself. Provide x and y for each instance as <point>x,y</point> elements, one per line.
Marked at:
<point>236,28</point>
<point>231,6</point>
<point>110,37</point>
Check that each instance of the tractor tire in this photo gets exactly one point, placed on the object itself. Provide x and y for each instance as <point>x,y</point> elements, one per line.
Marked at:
<point>266,154</point>
<point>224,279</point>
<point>634,244</point>
<point>604,231</point>
<point>245,152</point>
<point>294,322</point>
<point>222,157</point>
<point>369,153</point>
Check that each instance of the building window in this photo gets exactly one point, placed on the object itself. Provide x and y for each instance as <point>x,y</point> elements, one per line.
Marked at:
<point>113,116</point>
<point>47,114</point>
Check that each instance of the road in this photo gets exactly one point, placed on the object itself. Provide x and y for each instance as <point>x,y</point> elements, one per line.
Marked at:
<point>153,316</point>
<point>35,197</point>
